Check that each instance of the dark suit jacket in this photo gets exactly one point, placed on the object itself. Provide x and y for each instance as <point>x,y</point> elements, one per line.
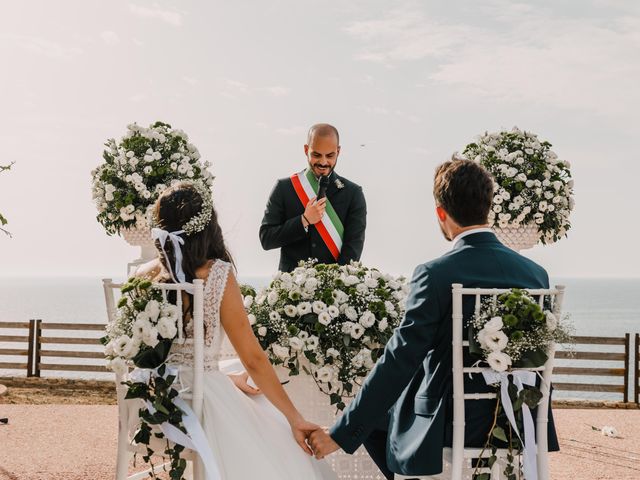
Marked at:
<point>282,224</point>
<point>412,381</point>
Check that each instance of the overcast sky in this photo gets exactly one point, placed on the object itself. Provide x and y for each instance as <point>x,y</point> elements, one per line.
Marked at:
<point>406,83</point>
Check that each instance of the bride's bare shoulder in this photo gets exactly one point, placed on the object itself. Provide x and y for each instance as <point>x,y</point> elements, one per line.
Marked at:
<point>150,270</point>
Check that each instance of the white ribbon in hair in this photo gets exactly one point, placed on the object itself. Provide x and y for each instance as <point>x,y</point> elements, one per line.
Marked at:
<point>520,377</point>
<point>195,438</point>
<point>162,235</point>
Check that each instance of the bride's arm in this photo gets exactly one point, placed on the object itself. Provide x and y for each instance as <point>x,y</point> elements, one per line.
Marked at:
<point>236,324</point>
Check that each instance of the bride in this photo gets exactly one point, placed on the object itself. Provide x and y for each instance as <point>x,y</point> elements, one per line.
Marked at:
<point>248,437</point>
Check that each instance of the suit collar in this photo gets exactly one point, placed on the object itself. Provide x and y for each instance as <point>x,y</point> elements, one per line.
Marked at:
<point>476,238</point>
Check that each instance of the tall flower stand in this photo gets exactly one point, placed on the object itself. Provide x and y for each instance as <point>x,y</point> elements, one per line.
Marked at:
<point>518,238</point>
<point>139,237</point>
<point>315,407</point>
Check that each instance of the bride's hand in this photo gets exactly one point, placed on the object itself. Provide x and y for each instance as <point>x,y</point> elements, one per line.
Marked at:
<point>301,429</point>
<point>240,381</point>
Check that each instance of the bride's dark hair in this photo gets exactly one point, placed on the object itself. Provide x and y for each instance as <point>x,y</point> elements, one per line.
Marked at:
<point>174,208</point>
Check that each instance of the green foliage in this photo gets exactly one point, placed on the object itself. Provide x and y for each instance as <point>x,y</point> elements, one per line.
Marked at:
<point>3,220</point>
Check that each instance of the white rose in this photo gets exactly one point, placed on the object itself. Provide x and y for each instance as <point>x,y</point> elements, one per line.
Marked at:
<point>333,311</point>
<point>296,343</point>
<point>248,301</point>
<point>496,340</point>
<point>152,309</point>
<point>274,316</point>
<point>318,307</point>
<point>118,365</point>
<point>324,374</point>
<point>371,282</point>
<point>552,321</point>
<point>347,327</point>
<point>351,313</point>
<point>262,331</point>
<point>311,284</point>
<point>324,318</point>
<point>120,345</point>
<point>290,310</point>
<point>170,311</point>
<point>252,319</point>
<point>311,343</point>
<point>384,323</point>
<point>351,280</point>
<point>303,335</point>
<point>280,351</point>
<point>499,361</point>
<point>167,328</point>
<point>362,289</point>
<point>332,352</point>
<point>150,337</point>
<point>304,308</point>
<point>367,319</point>
<point>272,298</point>
<point>357,331</point>
<point>521,177</point>
<point>493,325</point>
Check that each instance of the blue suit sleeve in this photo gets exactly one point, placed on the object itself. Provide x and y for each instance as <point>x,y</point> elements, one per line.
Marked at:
<point>402,356</point>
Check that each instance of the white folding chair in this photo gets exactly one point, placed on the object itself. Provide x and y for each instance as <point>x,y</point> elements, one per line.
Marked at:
<point>458,459</point>
<point>194,395</point>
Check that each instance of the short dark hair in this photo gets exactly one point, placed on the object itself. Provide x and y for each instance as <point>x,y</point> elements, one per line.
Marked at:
<point>465,190</point>
<point>322,130</point>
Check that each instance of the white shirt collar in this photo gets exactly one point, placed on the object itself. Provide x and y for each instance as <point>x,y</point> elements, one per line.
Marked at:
<point>466,233</point>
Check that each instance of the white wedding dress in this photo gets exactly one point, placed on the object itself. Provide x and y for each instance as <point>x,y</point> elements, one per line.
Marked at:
<point>249,438</point>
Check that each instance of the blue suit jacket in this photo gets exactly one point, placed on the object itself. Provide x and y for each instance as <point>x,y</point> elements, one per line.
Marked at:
<point>409,390</point>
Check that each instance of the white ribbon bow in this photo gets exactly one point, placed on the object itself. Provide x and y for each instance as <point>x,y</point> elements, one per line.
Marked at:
<point>520,378</point>
<point>176,240</point>
<point>195,438</point>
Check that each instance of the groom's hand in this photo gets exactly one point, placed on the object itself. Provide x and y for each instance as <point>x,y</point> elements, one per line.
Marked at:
<point>322,443</point>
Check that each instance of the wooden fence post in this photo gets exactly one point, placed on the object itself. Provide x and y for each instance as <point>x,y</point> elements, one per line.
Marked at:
<point>636,370</point>
<point>627,349</point>
<point>37,347</point>
<point>30,347</point>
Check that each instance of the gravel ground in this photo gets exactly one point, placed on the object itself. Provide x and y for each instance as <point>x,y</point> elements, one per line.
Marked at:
<point>74,442</point>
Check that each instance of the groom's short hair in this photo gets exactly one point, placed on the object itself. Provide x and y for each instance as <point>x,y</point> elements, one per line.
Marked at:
<point>465,190</point>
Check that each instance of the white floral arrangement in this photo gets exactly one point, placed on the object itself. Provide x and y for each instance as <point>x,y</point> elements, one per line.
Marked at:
<point>532,185</point>
<point>513,332</point>
<point>140,335</point>
<point>142,330</point>
<point>138,169</point>
<point>331,321</point>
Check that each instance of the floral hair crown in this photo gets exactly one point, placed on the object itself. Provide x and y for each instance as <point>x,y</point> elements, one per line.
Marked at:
<point>201,220</point>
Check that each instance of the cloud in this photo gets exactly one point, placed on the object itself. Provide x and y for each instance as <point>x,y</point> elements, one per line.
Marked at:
<point>190,80</point>
<point>276,91</point>
<point>235,88</point>
<point>520,56</point>
<point>110,38</point>
<point>42,46</point>
<point>168,16</point>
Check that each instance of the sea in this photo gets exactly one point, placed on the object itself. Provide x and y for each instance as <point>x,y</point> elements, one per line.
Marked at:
<point>594,306</point>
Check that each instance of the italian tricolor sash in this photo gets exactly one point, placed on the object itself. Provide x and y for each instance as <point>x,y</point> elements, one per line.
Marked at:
<point>329,227</point>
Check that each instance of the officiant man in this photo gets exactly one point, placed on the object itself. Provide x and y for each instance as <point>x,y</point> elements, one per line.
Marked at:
<point>403,412</point>
<point>331,228</point>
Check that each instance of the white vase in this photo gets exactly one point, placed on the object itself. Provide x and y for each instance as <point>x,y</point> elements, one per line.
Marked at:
<point>140,237</point>
<point>316,407</point>
<point>518,238</point>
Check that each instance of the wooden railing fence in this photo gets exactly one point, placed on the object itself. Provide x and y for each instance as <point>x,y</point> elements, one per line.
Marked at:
<point>40,346</point>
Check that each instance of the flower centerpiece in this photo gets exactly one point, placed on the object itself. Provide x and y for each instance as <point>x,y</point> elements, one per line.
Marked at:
<point>331,321</point>
<point>533,187</point>
<point>514,332</point>
<point>136,170</point>
<point>141,335</point>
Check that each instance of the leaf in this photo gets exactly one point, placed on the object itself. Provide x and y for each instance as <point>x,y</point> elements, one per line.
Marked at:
<point>482,476</point>
<point>532,397</point>
<point>492,460</point>
<point>498,433</point>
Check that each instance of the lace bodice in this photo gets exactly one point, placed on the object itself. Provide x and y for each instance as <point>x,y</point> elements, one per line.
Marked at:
<point>213,334</point>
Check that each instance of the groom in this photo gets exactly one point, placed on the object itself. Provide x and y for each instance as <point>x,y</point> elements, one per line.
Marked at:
<point>404,411</point>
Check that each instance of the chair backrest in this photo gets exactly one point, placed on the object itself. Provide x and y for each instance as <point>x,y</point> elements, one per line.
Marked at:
<point>552,297</point>
<point>195,396</point>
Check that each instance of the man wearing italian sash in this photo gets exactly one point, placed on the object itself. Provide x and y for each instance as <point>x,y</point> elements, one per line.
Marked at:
<point>303,226</point>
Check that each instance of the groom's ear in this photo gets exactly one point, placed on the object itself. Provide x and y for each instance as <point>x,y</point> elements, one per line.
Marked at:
<point>442,213</point>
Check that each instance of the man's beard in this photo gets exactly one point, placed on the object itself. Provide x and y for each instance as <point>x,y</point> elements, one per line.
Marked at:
<point>326,173</point>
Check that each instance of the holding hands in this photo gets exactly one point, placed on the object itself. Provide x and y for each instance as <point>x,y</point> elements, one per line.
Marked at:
<point>322,443</point>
